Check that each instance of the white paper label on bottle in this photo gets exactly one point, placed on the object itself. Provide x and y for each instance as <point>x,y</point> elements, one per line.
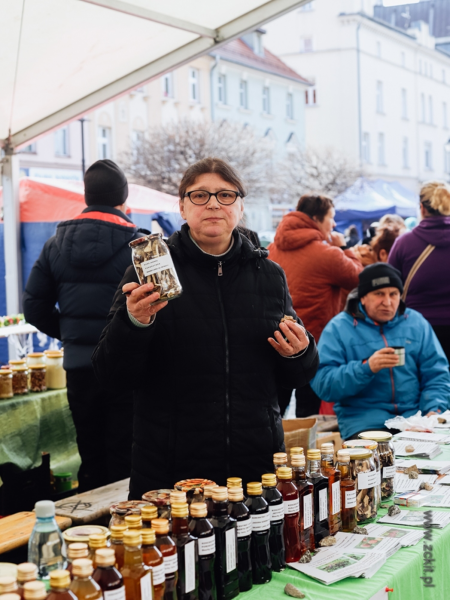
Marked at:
<point>276,512</point>
<point>323,504</point>
<point>291,506</point>
<point>244,528</point>
<point>261,522</point>
<point>189,566</point>
<point>367,480</point>
<point>170,564</point>
<point>156,265</point>
<point>388,472</point>
<point>230,549</point>
<point>307,511</point>
<point>378,478</point>
<point>146,587</point>
<point>350,499</point>
<point>158,573</point>
<point>335,497</point>
<point>206,545</point>
<point>115,594</point>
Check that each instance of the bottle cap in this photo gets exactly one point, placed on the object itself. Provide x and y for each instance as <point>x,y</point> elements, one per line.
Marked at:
<point>148,536</point>
<point>198,509</point>
<point>280,458</point>
<point>220,494</point>
<point>235,494</point>
<point>208,489</point>
<point>296,450</point>
<point>5,372</point>
<point>180,510</point>
<point>284,473</point>
<point>370,444</point>
<point>19,362</point>
<point>54,354</point>
<point>269,480</point>
<point>149,512</point>
<point>254,488</point>
<point>34,590</point>
<point>313,454</point>
<point>234,482</point>
<point>77,550</point>
<point>44,509</point>
<point>97,540</point>
<point>19,369</point>
<point>298,460</point>
<point>133,521</point>
<point>177,497</point>
<point>117,531</point>
<point>343,455</point>
<point>359,453</point>
<point>327,448</point>
<point>378,436</point>
<point>132,537</point>
<point>7,584</point>
<point>82,567</point>
<point>59,578</point>
<point>38,367</point>
<point>27,572</point>
<point>35,355</point>
<point>161,526</point>
<point>11,596</point>
<point>105,557</point>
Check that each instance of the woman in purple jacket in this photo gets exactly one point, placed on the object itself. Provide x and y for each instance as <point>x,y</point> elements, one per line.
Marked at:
<point>429,289</point>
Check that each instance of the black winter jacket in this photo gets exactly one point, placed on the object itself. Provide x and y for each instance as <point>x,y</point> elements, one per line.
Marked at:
<point>206,377</point>
<point>78,270</point>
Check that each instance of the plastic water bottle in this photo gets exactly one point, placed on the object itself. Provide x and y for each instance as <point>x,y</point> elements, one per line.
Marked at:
<point>46,546</point>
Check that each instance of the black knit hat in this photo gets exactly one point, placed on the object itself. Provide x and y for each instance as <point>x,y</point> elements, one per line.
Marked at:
<point>377,276</point>
<point>105,184</point>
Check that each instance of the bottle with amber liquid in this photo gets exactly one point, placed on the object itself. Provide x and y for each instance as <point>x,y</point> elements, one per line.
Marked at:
<point>26,572</point>
<point>107,576</point>
<point>320,495</point>
<point>280,459</point>
<point>305,497</point>
<point>83,586</point>
<point>334,487</point>
<point>225,530</point>
<point>239,511</point>
<point>148,513</point>
<point>117,532</point>
<point>348,492</point>
<point>201,529</point>
<point>274,499</point>
<point>187,584</point>
<point>207,497</point>
<point>259,548</point>
<point>59,586</point>
<point>153,558</point>
<point>96,541</point>
<point>176,497</point>
<point>296,451</point>
<point>168,549</point>
<point>291,514</point>
<point>133,522</point>
<point>34,590</point>
<point>136,575</point>
<point>74,551</point>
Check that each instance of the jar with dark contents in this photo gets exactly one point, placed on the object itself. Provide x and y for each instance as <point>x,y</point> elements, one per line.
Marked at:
<point>38,378</point>
<point>120,510</point>
<point>371,445</point>
<point>160,499</point>
<point>153,264</point>
<point>386,451</point>
<point>364,473</point>
<point>20,380</point>
<point>6,388</point>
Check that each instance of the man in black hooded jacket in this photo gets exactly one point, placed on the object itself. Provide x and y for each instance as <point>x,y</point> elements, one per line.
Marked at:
<point>68,296</point>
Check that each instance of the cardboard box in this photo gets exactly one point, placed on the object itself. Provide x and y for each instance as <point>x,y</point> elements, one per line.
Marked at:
<point>300,432</point>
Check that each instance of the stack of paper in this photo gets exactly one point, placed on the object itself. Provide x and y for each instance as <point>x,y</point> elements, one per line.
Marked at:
<point>438,496</point>
<point>428,518</point>
<point>423,449</point>
<point>421,436</point>
<point>368,543</point>
<point>404,536</point>
<point>402,483</point>
<point>425,466</point>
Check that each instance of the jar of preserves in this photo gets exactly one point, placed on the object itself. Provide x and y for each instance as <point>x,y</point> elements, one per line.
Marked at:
<point>18,363</point>
<point>371,445</point>
<point>386,451</point>
<point>35,358</point>
<point>153,264</point>
<point>56,376</point>
<point>38,378</point>
<point>6,388</point>
<point>160,499</point>
<point>364,474</point>
<point>120,510</point>
<point>20,380</point>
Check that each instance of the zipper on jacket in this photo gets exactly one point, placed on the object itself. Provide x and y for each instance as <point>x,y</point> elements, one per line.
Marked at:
<point>390,369</point>
<point>227,375</point>
<point>219,269</point>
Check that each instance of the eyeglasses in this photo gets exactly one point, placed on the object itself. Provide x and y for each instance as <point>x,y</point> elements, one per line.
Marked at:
<point>201,197</point>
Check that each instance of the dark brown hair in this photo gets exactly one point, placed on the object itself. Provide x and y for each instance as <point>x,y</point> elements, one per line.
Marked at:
<point>211,165</point>
<point>315,205</point>
<point>385,238</point>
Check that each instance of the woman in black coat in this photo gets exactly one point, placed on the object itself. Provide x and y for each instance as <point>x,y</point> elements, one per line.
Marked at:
<point>205,366</point>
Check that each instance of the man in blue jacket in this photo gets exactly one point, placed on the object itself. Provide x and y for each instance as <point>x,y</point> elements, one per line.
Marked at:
<point>359,369</point>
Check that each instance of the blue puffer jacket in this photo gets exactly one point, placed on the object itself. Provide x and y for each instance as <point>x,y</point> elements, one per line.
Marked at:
<point>364,400</point>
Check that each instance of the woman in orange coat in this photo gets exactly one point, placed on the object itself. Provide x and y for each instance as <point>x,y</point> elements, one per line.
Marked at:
<point>317,264</point>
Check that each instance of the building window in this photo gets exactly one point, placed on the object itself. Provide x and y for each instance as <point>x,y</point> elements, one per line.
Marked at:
<point>428,159</point>
<point>366,147</point>
<point>62,142</point>
<point>430,110</point>
<point>405,153</point>
<point>30,149</point>
<point>266,100</point>
<point>379,49</point>
<point>420,66</point>
<point>422,108</point>
<point>306,44</point>
<point>243,94</point>
<point>426,68</point>
<point>104,142</point>
<point>444,115</point>
<point>403,57</point>
<point>290,105</point>
<point>194,93</point>
<point>258,46</point>
<point>443,75</point>
<point>431,71</point>
<point>222,89</point>
<point>307,7</point>
<point>167,85</point>
<point>311,96</point>
<point>404,104</point>
<point>381,156</point>
<point>380,97</point>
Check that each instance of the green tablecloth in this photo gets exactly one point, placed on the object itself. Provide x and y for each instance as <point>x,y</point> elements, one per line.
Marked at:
<point>401,573</point>
<point>35,423</point>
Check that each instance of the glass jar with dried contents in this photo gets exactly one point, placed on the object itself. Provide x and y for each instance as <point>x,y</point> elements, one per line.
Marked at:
<point>20,380</point>
<point>364,473</point>
<point>6,388</point>
<point>373,447</point>
<point>38,381</point>
<point>386,451</point>
<point>153,264</point>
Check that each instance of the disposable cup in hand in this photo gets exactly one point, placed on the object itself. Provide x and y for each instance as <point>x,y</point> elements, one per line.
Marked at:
<point>400,352</point>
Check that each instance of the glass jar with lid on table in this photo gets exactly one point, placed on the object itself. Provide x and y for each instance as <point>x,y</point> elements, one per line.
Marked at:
<point>386,451</point>
<point>371,445</point>
<point>364,473</point>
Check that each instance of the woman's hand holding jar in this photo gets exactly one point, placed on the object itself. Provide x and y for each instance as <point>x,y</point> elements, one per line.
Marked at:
<point>140,301</point>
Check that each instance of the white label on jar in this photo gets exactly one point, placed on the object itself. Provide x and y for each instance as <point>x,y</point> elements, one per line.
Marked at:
<point>230,549</point>
<point>336,497</point>
<point>291,507</point>
<point>244,528</point>
<point>156,265</point>
<point>158,573</point>
<point>307,511</point>
<point>115,594</point>
<point>276,512</point>
<point>261,522</point>
<point>388,472</point>
<point>189,566</point>
<point>146,587</point>
<point>323,504</point>
<point>367,480</point>
<point>206,545</point>
<point>378,478</point>
<point>171,564</point>
<point>350,499</point>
